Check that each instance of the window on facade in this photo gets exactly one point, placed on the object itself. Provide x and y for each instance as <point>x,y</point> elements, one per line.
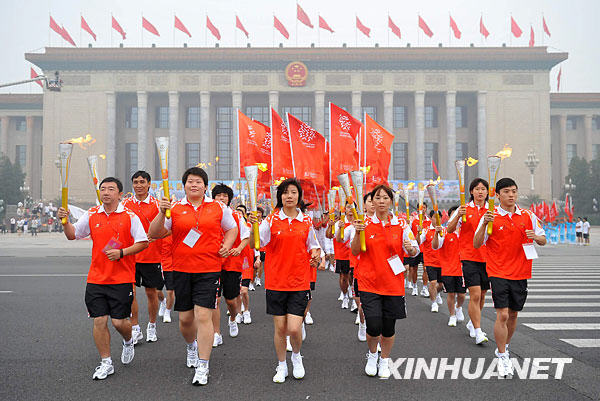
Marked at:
<point>461,117</point>
<point>131,163</point>
<point>431,153</point>
<point>431,119</point>
<point>595,151</point>
<point>21,156</point>
<point>400,152</point>
<point>192,154</point>
<point>596,122</point>
<point>571,152</point>
<point>162,117</point>
<point>192,117</point>
<point>20,124</point>
<point>400,120</point>
<point>370,110</point>
<point>224,167</point>
<point>571,123</point>
<point>304,113</point>
<point>259,113</point>
<point>131,117</point>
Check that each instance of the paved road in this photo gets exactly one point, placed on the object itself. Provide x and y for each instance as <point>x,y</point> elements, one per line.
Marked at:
<point>47,350</point>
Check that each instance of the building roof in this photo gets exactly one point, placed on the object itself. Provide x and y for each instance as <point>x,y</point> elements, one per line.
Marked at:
<point>575,100</point>
<point>276,58</point>
<point>18,101</point>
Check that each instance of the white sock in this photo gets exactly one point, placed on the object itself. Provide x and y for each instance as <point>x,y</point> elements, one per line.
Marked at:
<point>501,354</point>
<point>128,342</point>
<point>203,363</point>
<point>283,364</point>
<point>107,360</point>
<point>373,353</point>
<point>135,327</point>
<point>168,310</point>
<point>152,325</point>
<point>295,356</point>
<point>192,345</point>
<point>478,331</point>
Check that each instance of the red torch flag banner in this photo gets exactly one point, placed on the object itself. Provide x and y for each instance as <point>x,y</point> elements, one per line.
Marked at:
<point>553,213</point>
<point>423,25</point>
<point>378,145</point>
<point>546,211</point>
<point>66,36</point>
<point>86,27</point>
<point>303,17</point>
<point>455,29</point>
<point>117,27</point>
<point>179,25</point>
<point>240,26</point>
<point>545,27</point>
<point>251,137</point>
<point>279,26</point>
<point>149,27</point>
<point>482,29</point>
<point>568,208</point>
<point>363,28</point>
<point>34,74</point>
<point>55,27</point>
<point>394,28</point>
<point>213,29</point>
<point>281,154</point>
<point>531,38</point>
<point>344,132</point>
<point>324,25</point>
<point>514,28</point>
<point>307,147</point>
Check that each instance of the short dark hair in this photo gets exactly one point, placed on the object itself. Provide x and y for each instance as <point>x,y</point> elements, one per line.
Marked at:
<point>261,210</point>
<point>195,171</point>
<point>284,186</point>
<point>384,188</point>
<point>433,212</point>
<point>141,173</point>
<point>505,183</point>
<point>113,179</point>
<point>476,182</point>
<point>369,194</point>
<point>243,207</point>
<point>221,188</point>
<point>452,209</point>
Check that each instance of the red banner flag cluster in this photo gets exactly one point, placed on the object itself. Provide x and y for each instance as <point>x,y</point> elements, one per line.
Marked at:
<point>344,131</point>
<point>61,31</point>
<point>281,156</point>
<point>307,147</point>
<point>378,144</point>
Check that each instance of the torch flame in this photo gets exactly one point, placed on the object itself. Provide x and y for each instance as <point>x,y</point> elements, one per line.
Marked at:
<point>262,167</point>
<point>83,142</point>
<point>410,185</point>
<point>505,152</point>
<point>471,162</point>
<point>103,157</point>
<point>365,169</point>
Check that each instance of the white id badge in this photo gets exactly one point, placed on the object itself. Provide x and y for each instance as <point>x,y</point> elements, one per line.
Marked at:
<point>192,237</point>
<point>530,252</point>
<point>396,264</point>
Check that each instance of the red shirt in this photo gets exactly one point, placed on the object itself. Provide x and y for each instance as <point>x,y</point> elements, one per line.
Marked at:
<point>467,232</point>
<point>247,263</point>
<point>167,254</point>
<point>415,227</point>
<point>430,256</point>
<point>340,249</point>
<point>146,210</point>
<point>234,263</point>
<point>449,254</point>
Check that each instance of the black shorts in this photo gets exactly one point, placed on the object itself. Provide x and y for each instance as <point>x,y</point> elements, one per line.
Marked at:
<point>281,303</point>
<point>579,234</point>
<point>385,306</point>
<point>586,236</point>
<point>195,289</point>
<point>454,284</point>
<point>342,266</point>
<point>262,256</point>
<point>414,261</point>
<point>168,276</point>
<point>475,274</point>
<point>230,284</point>
<point>109,299</point>
<point>434,273</point>
<point>312,285</point>
<point>148,275</point>
<point>356,293</point>
<point>508,293</point>
<point>246,282</point>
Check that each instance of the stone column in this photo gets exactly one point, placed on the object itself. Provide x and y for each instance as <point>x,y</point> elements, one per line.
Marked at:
<point>274,100</point>
<point>236,103</point>
<point>451,134</point>
<point>111,144</point>
<point>388,123</point>
<point>419,150</point>
<point>320,111</point>
<point>587,130</point>
<point>482,134</point>
<point>5,121</point>
<point>142,133</point>
<point>564,166</point>
<point>30,152</point>
<point>357,104</point>
<point>205,154</point>
<point>174,156</point>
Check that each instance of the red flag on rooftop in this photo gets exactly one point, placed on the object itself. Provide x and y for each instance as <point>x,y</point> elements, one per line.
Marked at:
<point>149,27</point>
<point>545,27</point>
<point>213,29</point>
<point>240,26</point>
<point>55,27</point>
<point>324,25</point>
<point>117,27</point>
<point>363,28</point>
<point>179,25</point>
<point>86,27</point>
<point>455,29</point>
<point>394,28</point>
<point>482,29</point>
<point>514,28</point>
<point>303,17</point>
<point>34,74</point>
<point>558,79</point>
<point>423,25</point>
<point>531,38</point>
<point>279,26</point>
<point>66,36</point>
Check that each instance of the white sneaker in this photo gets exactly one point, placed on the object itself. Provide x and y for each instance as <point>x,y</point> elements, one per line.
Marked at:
<point>137,335</point>
<point>288,344</point>
<point>217,340</point>
<point>103,370</point>
<point>127,353</point>
<point>308,319</point>
<point>151,333</point>
<point>438,299</point>
<point>384,368</point>
<point>233,329</point>
<point>452,321</point>
<point>192,357</point>
<point>297,367</point>
<point>162,307</point>
<point>471,329</point>
<point>303,332</point>
<point>459,315</point>
<point>501,368</point>
<point>341,297</point>
<point>357,320</point>
<point>424,292</point>
<point>258,283</point>
<point>345,303</point>
<point>238,318</point>
<point>481,338</point>
<point>280,374</point>
<point>247,317</point>
<point>434,307</point>
<point>251,287</point>
<point>167,316</point>
<point>354,306</point>
<point>410,285</point>
<point>415,291</point>
<point>201,376</point>
<point>362,332</point>
<point>371,366</point>
<point>505,367</point>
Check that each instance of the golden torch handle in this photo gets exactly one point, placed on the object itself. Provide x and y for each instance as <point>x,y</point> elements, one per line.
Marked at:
<point>491,209</point>
<point>462,203</point>
<point>342,232</point>
<point>407,214</point>
<point>166,192</point>
<point>363,241</point>
<point>65,203</point>
<point>256,232</point>
<point>98,195</point>
<point>332,218</point>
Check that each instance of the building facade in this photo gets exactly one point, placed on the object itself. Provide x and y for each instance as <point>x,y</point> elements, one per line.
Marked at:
<point>440,103</point>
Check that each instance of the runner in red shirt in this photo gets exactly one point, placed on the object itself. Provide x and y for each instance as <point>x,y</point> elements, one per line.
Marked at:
<point>510,256</point>
<point>413,263</point>
<point>380,276</point>
<point>117,235</point>
<point>432,263</point>
<point>291,249</point>
<point>203,233</point>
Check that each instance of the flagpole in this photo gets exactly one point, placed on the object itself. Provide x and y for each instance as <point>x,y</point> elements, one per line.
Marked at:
<point>449,29</point>
<point>142,29</point>
<point>418,32</point>
<point>273,29</point>
<point>173,29</point>
<point>205,30</point>
<point>318,31</point>
<point>235,35</point>
<point>543,33</point>
<point>388,30</point>
<point>510,31</point>
<point>296,24</point>
<point>80,40</point>
<point>356,31</point>
<point>480,23</point>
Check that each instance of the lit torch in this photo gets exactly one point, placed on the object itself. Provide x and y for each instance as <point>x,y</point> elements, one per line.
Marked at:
<point>331,203</point>
<point>493,168</point>
<point>342,196</point>
<point>65,150</point>
<point>434,202</point>
<point>273,190</point>
<point>162,143</point>
<point>93,166</point>
<point>357,182</point>
<point>251,173</point>
<point>460,171</point>
<point>421,200</point>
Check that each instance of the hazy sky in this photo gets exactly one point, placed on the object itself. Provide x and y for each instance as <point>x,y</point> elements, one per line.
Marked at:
<point>573,24</point>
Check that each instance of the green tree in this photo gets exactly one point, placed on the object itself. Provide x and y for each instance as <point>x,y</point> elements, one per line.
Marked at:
<point>581,176</point>
<point>11,179</point>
